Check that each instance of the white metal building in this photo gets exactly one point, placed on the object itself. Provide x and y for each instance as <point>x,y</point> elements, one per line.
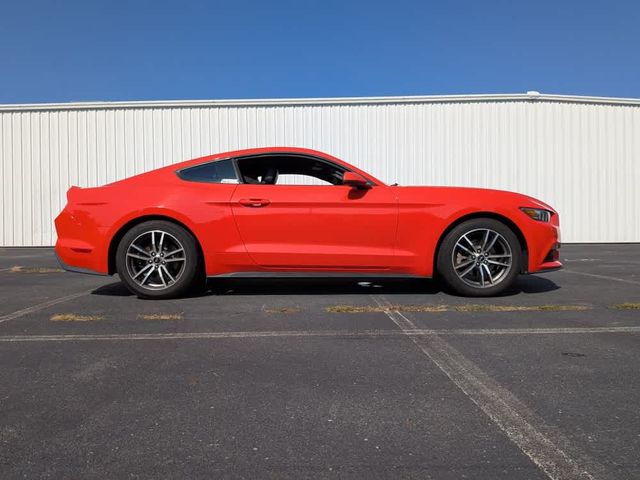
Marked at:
<point>580,154</point>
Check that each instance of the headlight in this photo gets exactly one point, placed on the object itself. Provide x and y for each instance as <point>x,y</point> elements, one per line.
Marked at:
<point>537,214</point>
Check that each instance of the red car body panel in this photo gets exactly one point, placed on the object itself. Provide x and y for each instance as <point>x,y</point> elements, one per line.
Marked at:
<point>337,228</point>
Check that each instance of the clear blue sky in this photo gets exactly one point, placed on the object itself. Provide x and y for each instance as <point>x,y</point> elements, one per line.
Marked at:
<point>58,51</point>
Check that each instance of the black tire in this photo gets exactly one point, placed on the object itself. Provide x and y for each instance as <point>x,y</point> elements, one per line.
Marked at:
<point>454,259</point>
<point>150,262</point>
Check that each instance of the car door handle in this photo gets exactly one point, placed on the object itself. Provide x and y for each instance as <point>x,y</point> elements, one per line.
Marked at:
<point>254,202</point>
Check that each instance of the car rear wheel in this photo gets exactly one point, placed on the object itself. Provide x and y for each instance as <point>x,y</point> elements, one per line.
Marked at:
<point>479,258</point>
<point>158,259</point>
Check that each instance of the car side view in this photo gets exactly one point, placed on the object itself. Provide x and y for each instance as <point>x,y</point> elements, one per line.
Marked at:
<point>299,212</point>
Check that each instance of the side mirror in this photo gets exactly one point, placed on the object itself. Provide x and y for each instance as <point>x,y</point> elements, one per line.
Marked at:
<point>354,180</point>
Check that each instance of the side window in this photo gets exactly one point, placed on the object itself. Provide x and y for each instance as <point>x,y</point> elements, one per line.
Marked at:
<point>289,170</point>
<point>220,171</point>
<point>298,179</point>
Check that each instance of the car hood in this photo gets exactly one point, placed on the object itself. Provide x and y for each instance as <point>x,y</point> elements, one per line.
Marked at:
<point>471,195</point>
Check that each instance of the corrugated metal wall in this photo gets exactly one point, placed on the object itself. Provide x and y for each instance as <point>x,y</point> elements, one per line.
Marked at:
<point>581,157</point>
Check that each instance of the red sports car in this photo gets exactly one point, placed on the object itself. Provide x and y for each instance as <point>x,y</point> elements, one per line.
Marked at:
<point>298,212</point>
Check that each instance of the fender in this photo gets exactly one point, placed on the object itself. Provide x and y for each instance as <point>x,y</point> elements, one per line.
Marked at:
<point>469,213</point>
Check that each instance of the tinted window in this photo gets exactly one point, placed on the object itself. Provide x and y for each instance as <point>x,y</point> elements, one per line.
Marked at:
<point>221,171</point>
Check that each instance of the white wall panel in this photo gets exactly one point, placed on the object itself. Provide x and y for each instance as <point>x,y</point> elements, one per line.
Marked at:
<point>580,155</point>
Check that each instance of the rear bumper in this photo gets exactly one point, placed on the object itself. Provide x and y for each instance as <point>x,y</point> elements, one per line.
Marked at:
<point>81,245</point>
<point>70,268</point>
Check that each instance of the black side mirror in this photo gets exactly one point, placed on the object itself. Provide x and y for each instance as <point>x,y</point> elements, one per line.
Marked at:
<point>354,180</point>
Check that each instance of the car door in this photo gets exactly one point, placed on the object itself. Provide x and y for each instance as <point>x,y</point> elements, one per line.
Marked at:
<point>317,227</point>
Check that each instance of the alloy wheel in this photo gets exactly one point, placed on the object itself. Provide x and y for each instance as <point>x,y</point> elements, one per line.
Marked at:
<point>155,260</point>
<point>482,258</point>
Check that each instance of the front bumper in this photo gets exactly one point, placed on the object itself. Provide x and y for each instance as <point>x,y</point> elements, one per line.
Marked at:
<point>544,246</point>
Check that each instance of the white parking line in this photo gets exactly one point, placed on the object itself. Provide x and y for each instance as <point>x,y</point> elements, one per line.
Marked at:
<point>43,305</point>
<point>310,333</point>
<point>191,336</point>
<point>544,445</point>
<point>603,277</point>
<point>48,254</point>
<point>529,331</point>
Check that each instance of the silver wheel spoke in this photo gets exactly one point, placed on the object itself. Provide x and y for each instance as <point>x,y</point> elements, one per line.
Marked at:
<point>469,242</point>
<point>464,264</point>
<point>161,241</point>
<point>153,241</point>
<point>486,268</point>
<point>493,262</point>
<point>143,270</point>
<point>161,276</point>
<point>166,271</point>
<point>485,240</point>
<point>133,245</point>
<point>146,276</point>
<point>464,248</point>
<point>139,257</point>
<point>481,276</point>
<point>177,250</point>
<point>169,260</point>
<point>467,271</point>
<point>490,246</point>
<point>508,255</point>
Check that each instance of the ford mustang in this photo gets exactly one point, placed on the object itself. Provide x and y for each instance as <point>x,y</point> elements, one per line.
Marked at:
<point>299,212</point>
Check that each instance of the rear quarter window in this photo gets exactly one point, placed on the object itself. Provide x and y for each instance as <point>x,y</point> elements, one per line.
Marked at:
<point>221,171</point>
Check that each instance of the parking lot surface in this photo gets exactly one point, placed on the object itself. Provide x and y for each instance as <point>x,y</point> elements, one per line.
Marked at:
<point>322,378</point>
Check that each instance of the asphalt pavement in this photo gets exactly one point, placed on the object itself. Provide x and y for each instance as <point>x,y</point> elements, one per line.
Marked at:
<point>322,378</point>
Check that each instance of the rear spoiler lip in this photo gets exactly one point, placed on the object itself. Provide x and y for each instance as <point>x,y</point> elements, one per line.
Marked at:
<point>71,190</point>
<point>89,197</point>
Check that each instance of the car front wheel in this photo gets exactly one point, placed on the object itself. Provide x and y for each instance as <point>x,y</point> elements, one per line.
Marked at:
<point>157,259</point>
<point>479,258</point>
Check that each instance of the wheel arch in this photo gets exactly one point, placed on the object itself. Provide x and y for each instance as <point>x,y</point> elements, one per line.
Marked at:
<point>115,239</point>
<point>495,216</point>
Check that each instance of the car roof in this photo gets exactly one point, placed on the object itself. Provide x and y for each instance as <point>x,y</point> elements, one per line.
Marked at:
<point>273,150</point>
